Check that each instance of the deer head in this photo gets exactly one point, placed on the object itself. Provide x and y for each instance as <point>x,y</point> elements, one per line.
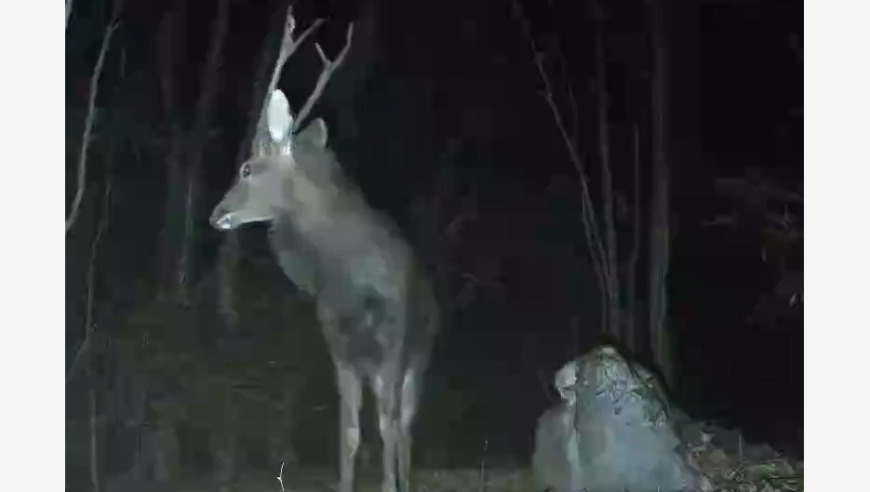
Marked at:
<point>270,183</point>
<point>284,166</point>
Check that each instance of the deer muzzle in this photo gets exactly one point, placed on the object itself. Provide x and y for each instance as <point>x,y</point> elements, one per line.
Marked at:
<point>222,219</point>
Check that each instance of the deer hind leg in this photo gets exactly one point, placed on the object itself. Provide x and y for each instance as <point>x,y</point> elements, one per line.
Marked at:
<point>387,393</point>
<point>410,397</point>
<point>350,396</point>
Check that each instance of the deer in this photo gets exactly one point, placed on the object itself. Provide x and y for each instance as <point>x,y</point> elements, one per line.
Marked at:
<point>374,303</point>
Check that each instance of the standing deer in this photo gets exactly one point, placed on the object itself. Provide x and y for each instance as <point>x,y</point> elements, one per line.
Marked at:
<point>375,307</point>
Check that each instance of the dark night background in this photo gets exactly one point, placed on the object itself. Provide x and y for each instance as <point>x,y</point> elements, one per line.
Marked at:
<point>439,115</point>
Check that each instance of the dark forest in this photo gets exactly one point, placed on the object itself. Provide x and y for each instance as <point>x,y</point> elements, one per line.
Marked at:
<point>568,174</point>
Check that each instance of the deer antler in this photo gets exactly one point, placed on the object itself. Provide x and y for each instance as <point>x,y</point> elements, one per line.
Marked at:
<point>328,68</point>
<point>288,47</point>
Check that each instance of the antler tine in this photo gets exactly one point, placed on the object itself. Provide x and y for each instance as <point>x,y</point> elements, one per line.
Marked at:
<point>288,47</point>
<point>328,68</point>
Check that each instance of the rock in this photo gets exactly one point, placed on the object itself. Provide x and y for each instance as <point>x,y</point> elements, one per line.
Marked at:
<point>611,433</point>
<point>555,462</point>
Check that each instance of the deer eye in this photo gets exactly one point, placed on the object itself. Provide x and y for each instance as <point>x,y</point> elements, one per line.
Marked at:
<point>245,171</point>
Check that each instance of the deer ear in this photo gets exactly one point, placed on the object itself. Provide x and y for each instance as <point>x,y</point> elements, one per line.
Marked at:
<point>314,134</point>
<point>278,117</point>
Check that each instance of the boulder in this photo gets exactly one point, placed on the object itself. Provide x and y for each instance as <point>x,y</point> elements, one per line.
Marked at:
<point>611,432</point>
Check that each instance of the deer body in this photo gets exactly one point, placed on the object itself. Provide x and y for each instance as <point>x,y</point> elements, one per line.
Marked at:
<point>375,307</point>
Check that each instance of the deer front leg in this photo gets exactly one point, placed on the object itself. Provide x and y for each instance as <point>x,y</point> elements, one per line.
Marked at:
<point>387,393</point>
<point>350,400</point>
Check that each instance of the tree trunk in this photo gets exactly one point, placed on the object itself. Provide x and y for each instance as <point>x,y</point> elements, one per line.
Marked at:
<point>610,244</point>
<point>166,451</point>
<point>229,249</point>
<point>172,262</point>
<point>138,406</point>
<point>630,335</point>
<point>95,468</point>
<point>660,198</point>
<point>173,257</point>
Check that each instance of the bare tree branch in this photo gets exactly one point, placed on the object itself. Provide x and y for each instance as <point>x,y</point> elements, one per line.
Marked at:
<point>69,6</point>
<point>596,250</point>
<point>634,254</point>
<point>89,304</point>
<point>593,235</point>
<point>89,119</point>
<point>607,187</point>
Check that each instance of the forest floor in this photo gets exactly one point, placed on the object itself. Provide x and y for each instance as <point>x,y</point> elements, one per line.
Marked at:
<point>778,475</point>
<point>325,480</point>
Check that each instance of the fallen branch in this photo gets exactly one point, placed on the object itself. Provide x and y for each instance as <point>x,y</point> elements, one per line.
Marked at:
<point>89,119</point>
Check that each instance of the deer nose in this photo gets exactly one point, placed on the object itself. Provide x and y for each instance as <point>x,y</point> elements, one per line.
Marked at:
<point>221,219</point>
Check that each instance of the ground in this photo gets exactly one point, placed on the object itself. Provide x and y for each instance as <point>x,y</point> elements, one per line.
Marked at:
<point>324,480</point>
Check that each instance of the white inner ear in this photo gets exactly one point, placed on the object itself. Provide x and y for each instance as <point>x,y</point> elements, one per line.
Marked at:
<point>278,116</point>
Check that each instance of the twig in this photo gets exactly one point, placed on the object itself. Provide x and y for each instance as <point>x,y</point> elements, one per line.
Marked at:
<point>89,120</point>
<point>280,477</point>
<point>593,235</point>
<point>572,99</point>
<point>483,465</point>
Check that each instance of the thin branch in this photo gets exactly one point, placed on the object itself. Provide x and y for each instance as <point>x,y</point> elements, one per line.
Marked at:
<point>89,122</point>
<point>482,478</point>
<point>328,68</point>
<point>94,468</point>
<point>606,182</point>
<point>69,6</point>
<point>78,357</point>
<point>596,251</point>
<point>634,254</point>
<point>572,99</point>
<point>593,235</point>
<point>89,306</point>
